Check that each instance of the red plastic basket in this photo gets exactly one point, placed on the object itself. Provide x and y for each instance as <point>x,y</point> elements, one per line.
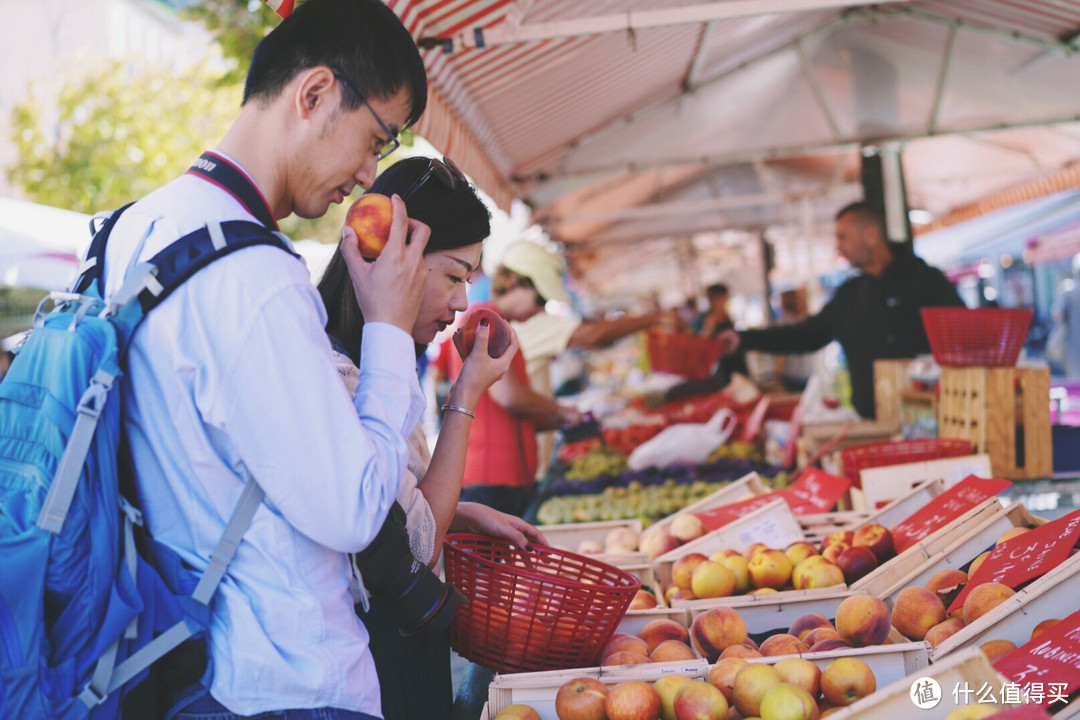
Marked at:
<point>691,356</point>
<point>871,455</point>
<point>979,336</point>
<point>547,609</point>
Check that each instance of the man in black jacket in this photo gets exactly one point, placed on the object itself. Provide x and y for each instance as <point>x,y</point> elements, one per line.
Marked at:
<point>874,315</point>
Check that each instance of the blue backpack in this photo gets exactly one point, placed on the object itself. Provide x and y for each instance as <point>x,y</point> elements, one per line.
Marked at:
<point>87,600</point>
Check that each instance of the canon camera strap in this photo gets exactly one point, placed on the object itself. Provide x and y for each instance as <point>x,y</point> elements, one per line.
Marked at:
<point>218,170</point>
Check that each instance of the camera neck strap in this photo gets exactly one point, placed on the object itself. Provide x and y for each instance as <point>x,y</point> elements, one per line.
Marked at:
<point>218,170</point>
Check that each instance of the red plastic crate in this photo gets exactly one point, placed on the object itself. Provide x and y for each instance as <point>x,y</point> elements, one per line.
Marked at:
<point>976,336</point>
<point>690,356</point>
<point>545,609</point>
<point>871,455</point>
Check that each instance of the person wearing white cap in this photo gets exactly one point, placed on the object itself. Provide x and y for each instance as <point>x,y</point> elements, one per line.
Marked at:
<point>544,335</point>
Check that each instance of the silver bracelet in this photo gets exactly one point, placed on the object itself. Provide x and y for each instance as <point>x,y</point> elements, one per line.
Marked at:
<point>458,408</point>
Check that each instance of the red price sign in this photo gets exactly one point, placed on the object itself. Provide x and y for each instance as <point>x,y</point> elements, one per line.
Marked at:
<point>756,421</point>
<point>720,516</point>
<point>1026,556</point>
<point>945,508</point>
<point>1048,667</point>
<point>815,492</point>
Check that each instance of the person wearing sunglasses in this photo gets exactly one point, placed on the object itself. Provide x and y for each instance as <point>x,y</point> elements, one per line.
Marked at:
<point>437,194</point>
<point>231,378</point>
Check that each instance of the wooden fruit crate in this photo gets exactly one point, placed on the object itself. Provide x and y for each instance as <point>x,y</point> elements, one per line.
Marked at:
<point>882,484</point>
<point>773,524</point>
<point>890,382</point>
<point>894,702</point>
<point>1051,596</point>
<point>816,527</point>
<point>571,535</point>
<point>741,489</point>
<point>1004,412</point>
<point>634,620</point>
<point>538,689</point>
<point>644,572</point>
<point>965,540</point>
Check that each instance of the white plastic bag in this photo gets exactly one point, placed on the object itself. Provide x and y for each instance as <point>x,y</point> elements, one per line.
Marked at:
<point>685,443</point>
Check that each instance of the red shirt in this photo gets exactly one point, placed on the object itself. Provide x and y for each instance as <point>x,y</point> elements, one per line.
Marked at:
<point>502,446</point>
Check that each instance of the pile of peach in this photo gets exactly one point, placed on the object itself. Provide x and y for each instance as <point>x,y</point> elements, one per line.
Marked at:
<point>844,557</point>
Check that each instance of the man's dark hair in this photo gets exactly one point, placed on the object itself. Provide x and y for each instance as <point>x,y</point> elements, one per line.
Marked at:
<point>865,214</point>
<point>361,39</point>
<point>716,290</point>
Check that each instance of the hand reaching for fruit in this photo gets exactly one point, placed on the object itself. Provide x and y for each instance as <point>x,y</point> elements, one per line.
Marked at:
<point>390,289</point>
<point>487,332</point>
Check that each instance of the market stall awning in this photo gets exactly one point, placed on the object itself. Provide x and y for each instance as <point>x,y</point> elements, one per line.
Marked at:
<point>640,120</point>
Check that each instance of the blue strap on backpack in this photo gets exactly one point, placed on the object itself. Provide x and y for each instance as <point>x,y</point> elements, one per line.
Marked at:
<point>82,613</point>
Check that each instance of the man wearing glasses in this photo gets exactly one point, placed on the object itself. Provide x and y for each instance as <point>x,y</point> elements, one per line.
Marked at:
<point>231,377</point>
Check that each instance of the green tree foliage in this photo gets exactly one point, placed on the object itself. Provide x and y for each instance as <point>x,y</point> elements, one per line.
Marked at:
<point>237,26</point>
<point>115,135</point>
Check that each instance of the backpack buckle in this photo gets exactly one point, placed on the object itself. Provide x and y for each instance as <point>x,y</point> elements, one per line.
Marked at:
<point>91,697</point>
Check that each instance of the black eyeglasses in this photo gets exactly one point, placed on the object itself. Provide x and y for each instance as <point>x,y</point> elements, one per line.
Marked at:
<point>445,171</point>
<point>393,143</point>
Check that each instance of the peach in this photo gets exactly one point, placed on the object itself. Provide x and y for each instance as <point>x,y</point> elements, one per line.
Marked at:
<point>762,591</point>
<point>666,687</point>
<point>740,567</point>
<point>683,594</point>
<point>974,711</point>
<point>670,651</point>
<point>799,551</point>
<point>862,620</point>
<point>856,562</point>
<point>844,536</point>
<point>682,570</point>
<point>821,633</point>
<point>770,568</point>
<point>587,547</point>
<point>753,549</point>
<point>1043,626</point>
<point>751,683</point>
<point>805,623</point>
<point>782,644</point>
<point>984,598</point>
<point>785,701</point>
<point>626,657</point>
<point>993,649</point>
<point>829,644</point>
<point>722,675</point>
<point>656,542</point>
<point>1010,534</point>
<point>822,575</point>
<point>517,711</point>
<point>846,680</point>
<point>632,700</point>
<point>876,537</point>
<point>621,537</point>
<point>582,699</point>
<point>369,217</point>
<point>738,650</point>
<point>801,568</point>
<point>715,629</point>
<point>915,611</point>
<point>498,340</point>
<point>712,580</point>
<point>946,582</point>
<point>700,701</point>
<point>686,527</point>
<point>979,560</point>
<point>720,555</point>
<point>624,641</point>
<point>659,630</point>
<point>833,551</point>
<point>643,600</point>
<point>942,631</point>
<point>801,673</point>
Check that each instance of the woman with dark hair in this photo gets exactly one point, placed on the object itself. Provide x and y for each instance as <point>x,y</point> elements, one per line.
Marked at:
<point>437,194</point>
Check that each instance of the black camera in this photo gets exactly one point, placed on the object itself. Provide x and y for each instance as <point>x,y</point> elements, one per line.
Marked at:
<point>418,601</point>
